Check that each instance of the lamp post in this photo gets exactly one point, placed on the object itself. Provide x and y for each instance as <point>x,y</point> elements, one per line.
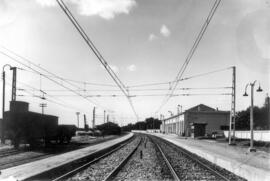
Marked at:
<point>251,149</point>
<point>3,105</point>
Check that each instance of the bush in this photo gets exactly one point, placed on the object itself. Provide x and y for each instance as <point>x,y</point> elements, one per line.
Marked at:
<point>109,129</point>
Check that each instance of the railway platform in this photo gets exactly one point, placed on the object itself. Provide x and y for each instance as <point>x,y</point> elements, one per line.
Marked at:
<point>31,169</point>
<point>254,166</point>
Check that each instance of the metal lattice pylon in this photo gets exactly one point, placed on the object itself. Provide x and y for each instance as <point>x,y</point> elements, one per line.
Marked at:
<point>232,113</point>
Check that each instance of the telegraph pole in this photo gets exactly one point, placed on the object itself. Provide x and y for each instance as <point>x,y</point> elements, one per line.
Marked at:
<point>104,116</point>
<point>14,80</point>
<point>3,105</point>
<point>78,113</point>
<point>94,117</point>
<point>42,105</point>
<point>3,109</point>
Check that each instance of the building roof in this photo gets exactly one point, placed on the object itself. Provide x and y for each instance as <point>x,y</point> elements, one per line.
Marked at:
<point>201,108</point>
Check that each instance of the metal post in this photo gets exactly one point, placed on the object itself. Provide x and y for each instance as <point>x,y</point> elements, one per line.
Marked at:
<point>3,110</point>
<point>251,149</point>
<point>78,121</point>
<point>94,117</point>
<point>232,112</point>
<point>14,78</point>
<point>84,119</point>
<point>3,106</point>
<point>42,105</point>
<point>234,102</point>
<point>104,116</point>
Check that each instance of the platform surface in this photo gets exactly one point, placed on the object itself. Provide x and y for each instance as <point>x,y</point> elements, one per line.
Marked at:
<point>27,170</point>
<point>253,166</point>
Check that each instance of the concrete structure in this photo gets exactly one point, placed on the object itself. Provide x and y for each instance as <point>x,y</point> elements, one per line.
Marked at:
<point>259,135</point>
<point>192,121</point>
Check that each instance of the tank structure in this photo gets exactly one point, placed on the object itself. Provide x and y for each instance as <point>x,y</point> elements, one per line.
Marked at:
<point>21,125</point>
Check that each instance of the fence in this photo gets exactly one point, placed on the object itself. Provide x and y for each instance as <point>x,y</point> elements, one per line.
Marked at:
<point>259,135</point>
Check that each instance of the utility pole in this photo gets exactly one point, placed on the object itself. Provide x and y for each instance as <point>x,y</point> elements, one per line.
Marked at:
<point>78,121</point>
<point>107,118</point>
<point>104,116</point>
<point>3,105</point>
<point>86,127</point>
<point>42,105</point>
<point>94,117</point>
<point>14,80</point>
<point>232,112</point>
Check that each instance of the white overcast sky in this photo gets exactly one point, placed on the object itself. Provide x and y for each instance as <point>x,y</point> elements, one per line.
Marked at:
<point>144,41</point>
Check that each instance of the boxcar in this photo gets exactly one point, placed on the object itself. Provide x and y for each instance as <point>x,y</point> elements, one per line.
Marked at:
<point>30,127</point>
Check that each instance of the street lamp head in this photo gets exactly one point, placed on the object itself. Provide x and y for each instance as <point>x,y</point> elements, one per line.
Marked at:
<point>259,89</point>
<point>245,94</point>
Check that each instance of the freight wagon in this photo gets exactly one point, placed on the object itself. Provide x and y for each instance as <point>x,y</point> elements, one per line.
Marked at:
<point>21,125</point>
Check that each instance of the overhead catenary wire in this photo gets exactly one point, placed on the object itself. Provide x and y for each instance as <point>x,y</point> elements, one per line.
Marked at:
<point>47,96</point>
<point>75,81</point>
<point>49,74</point>
<point>49,78</point>
<point>182,79</point>
<point>190,54</point>
<point>136,90</point>
<point>145,95</point>
<point>91,45</point>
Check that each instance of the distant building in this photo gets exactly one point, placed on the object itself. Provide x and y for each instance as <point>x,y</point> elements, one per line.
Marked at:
<point>197,121</point>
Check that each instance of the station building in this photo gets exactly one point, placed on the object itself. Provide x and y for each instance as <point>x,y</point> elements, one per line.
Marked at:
<point>196,121</point>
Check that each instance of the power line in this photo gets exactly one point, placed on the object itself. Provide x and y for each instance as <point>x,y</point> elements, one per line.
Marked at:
<point>136,90</point>
<point>182,79</point>
<point>115,78</point>
<point>52,75</point>
<point>142,95</point>
<point>75,81</point>
<point>49,78</point>
<point>190,54</point>
<point>64,104</point>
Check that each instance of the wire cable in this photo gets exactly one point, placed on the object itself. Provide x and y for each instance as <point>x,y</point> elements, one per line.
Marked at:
<point>190,54</point>
<point>91,45</point>
<point>49,78</point>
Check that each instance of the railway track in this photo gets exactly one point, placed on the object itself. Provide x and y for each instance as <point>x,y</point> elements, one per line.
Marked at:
<point>20,161</point>
<point>104,166</point>
<point>144,158</point>
<point>146,164</point>
<point>187,166</point>
<point>9,152</point>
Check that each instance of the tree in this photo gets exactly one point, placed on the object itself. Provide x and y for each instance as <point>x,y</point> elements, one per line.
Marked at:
<point>261,117</point>
<point>109,128</point>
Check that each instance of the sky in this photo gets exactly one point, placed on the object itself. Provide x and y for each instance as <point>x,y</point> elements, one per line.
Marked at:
<point>144,42</point>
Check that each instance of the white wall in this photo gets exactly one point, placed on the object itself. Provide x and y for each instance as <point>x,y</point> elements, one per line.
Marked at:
<point>259,135</point>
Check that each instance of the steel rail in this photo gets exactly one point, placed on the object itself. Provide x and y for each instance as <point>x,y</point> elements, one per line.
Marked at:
<point>213,171</point>
<point>117,169</point>
<point>187,154</point>
<point>173,172</point>
<point>82,167</point>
